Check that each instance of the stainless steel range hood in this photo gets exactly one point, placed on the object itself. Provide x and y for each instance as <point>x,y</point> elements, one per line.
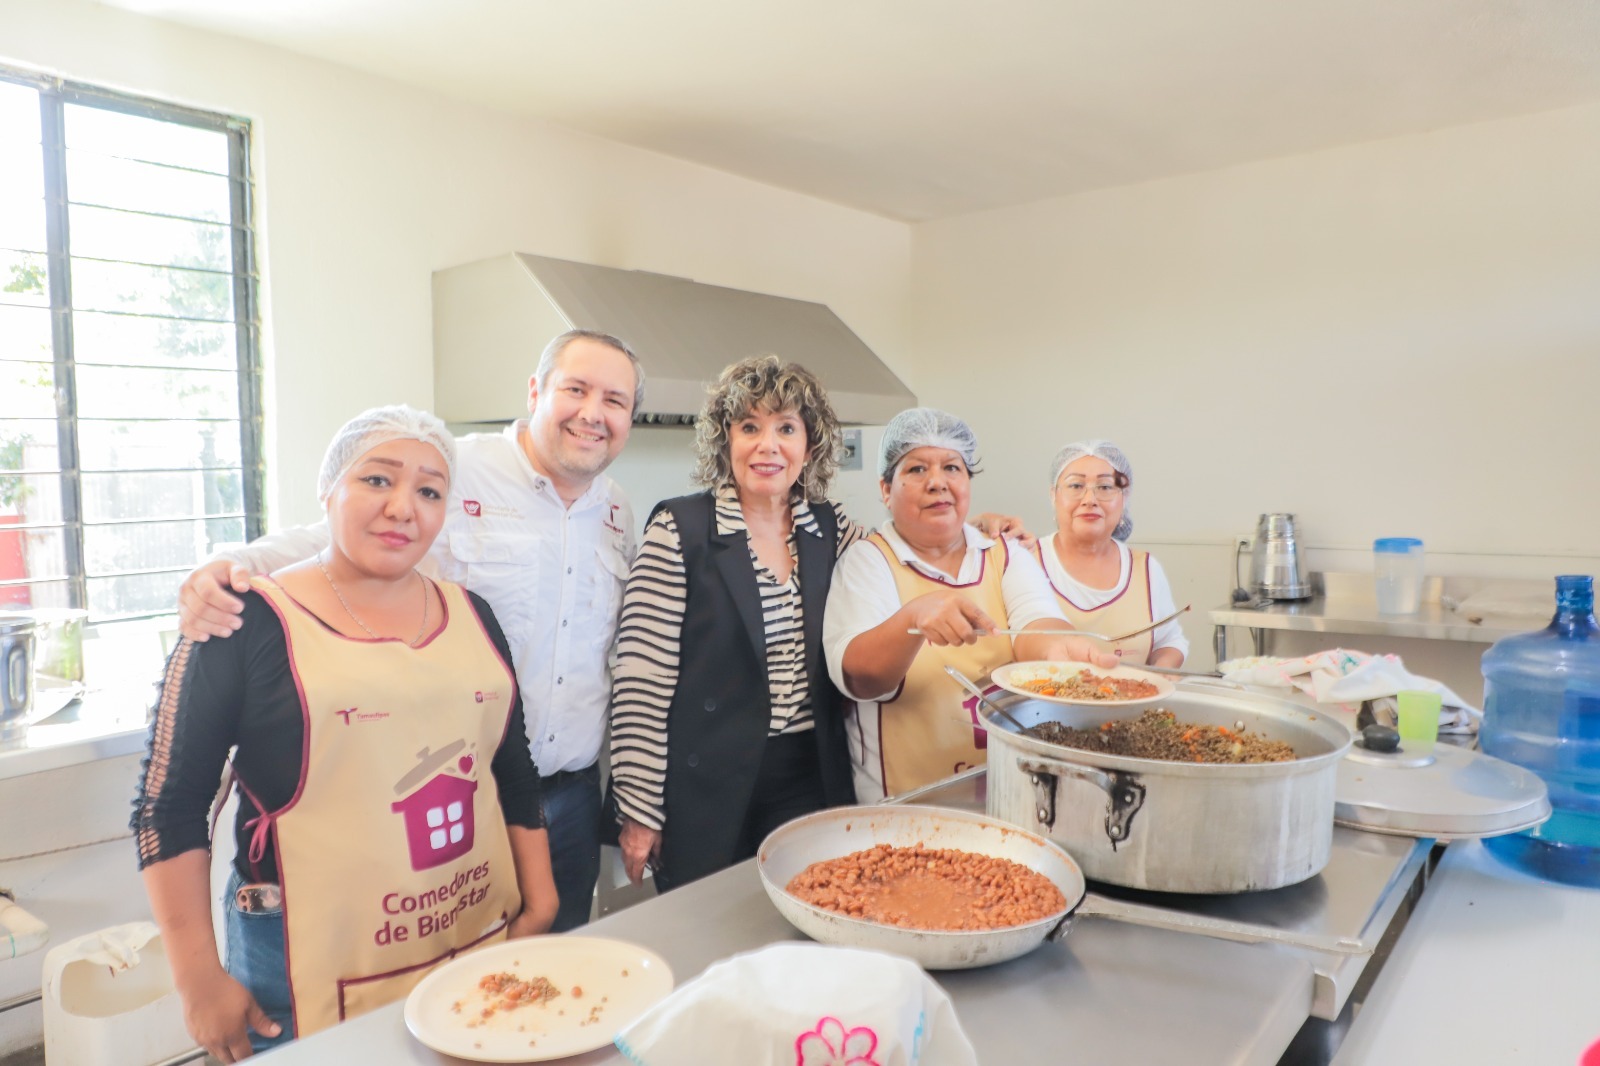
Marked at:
<point>492,318</point>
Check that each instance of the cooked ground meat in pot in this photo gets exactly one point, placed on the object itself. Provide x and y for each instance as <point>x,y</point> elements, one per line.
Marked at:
<point>1157,734</point>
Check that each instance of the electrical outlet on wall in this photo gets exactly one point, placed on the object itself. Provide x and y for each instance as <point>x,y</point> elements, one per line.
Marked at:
<point>850,459</point>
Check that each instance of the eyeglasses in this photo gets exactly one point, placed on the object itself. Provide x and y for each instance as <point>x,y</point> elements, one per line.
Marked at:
<point>1104,491</point>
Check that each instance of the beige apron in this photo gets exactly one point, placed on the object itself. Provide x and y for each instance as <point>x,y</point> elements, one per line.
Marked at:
<point>928,730</point>
<point>393,853</point>
<point>1129,609</point>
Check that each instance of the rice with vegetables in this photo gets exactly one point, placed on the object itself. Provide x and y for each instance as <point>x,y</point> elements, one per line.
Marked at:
<point>1084,685</point>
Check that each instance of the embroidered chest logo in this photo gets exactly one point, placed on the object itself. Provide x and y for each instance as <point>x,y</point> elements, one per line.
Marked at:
<point>356,714</point>
<point>472,507</point>
<point>610,521</point>
<point>438,809</point>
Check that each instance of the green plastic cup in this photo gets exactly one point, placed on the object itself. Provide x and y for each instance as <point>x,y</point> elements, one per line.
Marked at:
<point>1419,720</point>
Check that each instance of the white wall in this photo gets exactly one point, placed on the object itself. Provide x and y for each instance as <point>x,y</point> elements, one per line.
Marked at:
<point>1395,338</point>
<point>366,187</point>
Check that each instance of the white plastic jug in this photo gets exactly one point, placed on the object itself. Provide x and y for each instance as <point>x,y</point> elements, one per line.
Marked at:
<point>109,1000</point>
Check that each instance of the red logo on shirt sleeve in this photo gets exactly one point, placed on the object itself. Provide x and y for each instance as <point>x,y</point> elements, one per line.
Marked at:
<point>472,507</point>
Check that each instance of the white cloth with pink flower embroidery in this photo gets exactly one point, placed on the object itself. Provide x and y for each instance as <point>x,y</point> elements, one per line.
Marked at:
<point>803,1004</point>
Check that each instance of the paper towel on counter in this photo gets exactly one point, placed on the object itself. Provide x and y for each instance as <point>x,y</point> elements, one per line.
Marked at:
<point>1348,678</point>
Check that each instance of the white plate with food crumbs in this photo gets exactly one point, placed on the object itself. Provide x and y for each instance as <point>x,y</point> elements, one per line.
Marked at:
<point>535,999</point>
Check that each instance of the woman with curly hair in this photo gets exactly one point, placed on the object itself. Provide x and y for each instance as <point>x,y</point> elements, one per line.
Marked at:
<point>724,724</point>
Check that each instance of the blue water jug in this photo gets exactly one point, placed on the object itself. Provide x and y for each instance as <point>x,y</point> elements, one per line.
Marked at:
<point>1541,710</point>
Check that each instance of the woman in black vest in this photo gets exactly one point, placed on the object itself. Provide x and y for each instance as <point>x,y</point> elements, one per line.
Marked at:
<point>724,724</point>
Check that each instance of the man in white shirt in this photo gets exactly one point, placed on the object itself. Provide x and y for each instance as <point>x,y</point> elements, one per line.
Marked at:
<point>534,528</point>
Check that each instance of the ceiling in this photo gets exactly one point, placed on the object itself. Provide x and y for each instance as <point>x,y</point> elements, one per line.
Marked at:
<point>922,109</point>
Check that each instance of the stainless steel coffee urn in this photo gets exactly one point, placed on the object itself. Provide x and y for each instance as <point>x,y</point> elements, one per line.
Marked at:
<point>1275,570</point>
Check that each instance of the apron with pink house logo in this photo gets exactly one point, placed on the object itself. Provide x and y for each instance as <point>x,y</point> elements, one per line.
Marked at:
<point>1128,609</point>
<point>393,853</point>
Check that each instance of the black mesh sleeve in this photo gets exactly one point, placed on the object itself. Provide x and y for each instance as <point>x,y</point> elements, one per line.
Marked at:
<point>512,765</point>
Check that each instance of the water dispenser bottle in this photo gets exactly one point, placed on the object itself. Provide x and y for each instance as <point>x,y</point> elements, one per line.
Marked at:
<point>1541,710</point>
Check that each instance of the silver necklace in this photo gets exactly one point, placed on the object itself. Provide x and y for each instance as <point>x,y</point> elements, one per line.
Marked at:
<point>414,641</point>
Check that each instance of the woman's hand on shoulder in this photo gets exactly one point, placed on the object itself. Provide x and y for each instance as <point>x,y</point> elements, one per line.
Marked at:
<point>220,1015</point>
<point>1004,525</point>
<point>948,618</point>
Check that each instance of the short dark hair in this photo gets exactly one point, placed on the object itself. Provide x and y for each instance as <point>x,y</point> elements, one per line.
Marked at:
<point>553,350</point>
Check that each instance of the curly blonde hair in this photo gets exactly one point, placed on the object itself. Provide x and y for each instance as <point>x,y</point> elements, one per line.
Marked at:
<point>765,382</point>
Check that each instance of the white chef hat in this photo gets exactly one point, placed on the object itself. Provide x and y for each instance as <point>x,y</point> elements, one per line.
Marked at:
<point>1099,449</point>
<point>379,425</point>
<point>925,427</point>
<point>803,1004</point>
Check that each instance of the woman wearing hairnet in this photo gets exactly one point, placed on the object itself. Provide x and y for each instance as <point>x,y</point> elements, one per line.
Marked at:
<point>389,809</point>
<point>925,569</point>
<point>1102,585</point>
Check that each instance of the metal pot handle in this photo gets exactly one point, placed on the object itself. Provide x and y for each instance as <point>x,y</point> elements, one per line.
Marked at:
<point>1218,928</point>
<point>1125,791</point>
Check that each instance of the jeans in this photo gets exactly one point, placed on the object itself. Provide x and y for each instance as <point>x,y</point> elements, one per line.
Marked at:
<point>572,818</point>
<point>255,958</point>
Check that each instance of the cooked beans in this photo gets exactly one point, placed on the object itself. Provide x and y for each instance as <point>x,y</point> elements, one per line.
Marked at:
<point>929,888</point>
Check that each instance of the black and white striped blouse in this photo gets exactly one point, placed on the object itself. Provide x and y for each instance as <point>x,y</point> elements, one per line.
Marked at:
<point>645,676</point>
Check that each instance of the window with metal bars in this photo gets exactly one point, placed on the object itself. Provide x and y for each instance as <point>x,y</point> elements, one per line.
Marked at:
<point>130,415</point>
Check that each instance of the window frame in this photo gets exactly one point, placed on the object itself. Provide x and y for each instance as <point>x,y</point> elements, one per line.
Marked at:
<point>54,96</point>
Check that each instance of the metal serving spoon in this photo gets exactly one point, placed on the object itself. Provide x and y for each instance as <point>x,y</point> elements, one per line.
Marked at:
<point>967,683</point>
<point>1075,632</point>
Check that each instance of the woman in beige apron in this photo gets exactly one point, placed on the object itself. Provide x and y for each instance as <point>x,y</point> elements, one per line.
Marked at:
<point>923,592</point>
<point>1101,584</point>
<point>389,813</point>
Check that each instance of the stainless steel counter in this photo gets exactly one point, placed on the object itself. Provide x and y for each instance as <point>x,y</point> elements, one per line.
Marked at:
<point>1112,992</point>
<point>101,725</point>
<point>1346,603</point>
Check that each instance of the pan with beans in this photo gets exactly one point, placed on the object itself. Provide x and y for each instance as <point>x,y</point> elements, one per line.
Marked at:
<point>902,836</point>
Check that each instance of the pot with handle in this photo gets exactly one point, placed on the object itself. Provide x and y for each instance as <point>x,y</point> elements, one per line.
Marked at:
<point>1173,826</point>
<point>839,831</point>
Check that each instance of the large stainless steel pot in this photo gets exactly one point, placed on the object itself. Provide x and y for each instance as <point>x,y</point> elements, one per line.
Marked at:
<point>1171,826</point>
<point>840,831</point>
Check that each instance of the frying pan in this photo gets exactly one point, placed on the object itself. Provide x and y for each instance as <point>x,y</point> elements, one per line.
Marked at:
<point>840,831</point>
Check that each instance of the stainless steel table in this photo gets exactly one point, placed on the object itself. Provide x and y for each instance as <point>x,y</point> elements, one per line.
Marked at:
<point>1112,992</point>
<point>1345,603</point>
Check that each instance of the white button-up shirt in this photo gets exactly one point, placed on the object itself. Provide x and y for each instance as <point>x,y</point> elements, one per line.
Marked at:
<point>552,574</point>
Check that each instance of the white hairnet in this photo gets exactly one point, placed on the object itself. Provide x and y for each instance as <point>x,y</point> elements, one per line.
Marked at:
<point>376,426</point>
<point>925,427</point>
<point>1100,449</point>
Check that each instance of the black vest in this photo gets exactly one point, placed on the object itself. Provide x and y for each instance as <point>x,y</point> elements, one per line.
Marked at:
<point>721,710</point>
